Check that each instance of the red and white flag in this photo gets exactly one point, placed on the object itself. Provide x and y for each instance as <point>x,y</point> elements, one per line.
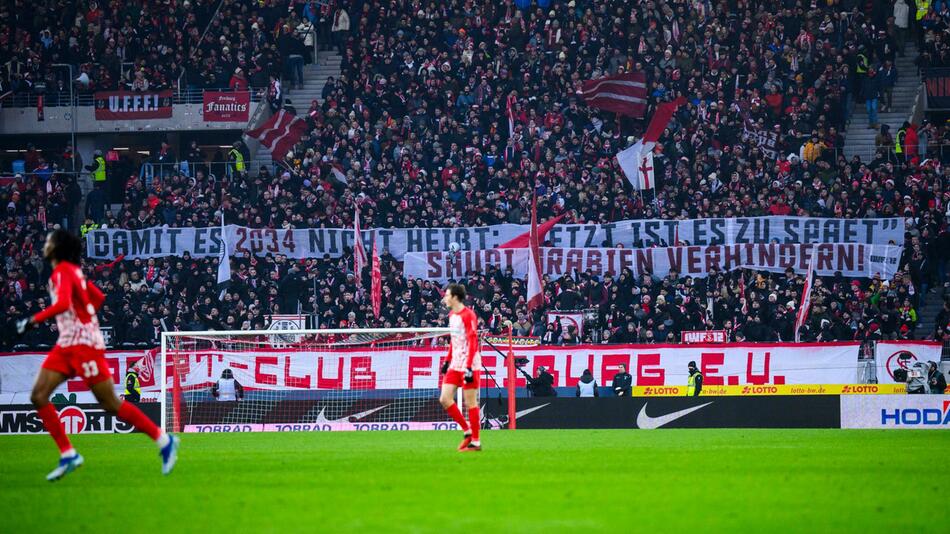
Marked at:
<point>535,282</point>
<point>742,299</point>
<point>524,240</point>
<point>279,133</point>
<point>510,102</point>
<point>145,367</point>
<point>803,309</point>
<point>337,170</point>
<point>625,94</point>
<point>359,252</point>
<point>376,293</point>
<point>636,162</point>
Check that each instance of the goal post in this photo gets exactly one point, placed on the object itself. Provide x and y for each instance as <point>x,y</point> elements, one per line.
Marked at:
<point>313,380</point>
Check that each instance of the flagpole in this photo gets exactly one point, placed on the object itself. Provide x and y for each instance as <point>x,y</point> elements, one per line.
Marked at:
<point>805,305</point>
<point>224,264</point>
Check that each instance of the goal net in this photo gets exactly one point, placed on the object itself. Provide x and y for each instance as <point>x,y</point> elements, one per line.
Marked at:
<point>304,380</point>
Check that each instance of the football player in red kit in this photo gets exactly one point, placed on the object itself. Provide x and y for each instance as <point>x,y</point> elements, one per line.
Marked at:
<point>462,366</point>
<point>80,351</point>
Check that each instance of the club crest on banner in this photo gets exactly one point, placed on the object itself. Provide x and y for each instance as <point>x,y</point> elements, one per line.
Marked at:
<point>285,322</point>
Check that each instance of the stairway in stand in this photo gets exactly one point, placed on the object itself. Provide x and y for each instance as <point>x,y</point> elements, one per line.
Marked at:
<point>314,78</point>
<point>927,314</point>
<point>859,138</point>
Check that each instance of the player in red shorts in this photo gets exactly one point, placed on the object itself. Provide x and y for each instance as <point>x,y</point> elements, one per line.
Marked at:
<point>461,367</point>
<point>80,351</point>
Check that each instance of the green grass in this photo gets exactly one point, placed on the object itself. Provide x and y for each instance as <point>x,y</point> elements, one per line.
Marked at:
<point>524,481</point>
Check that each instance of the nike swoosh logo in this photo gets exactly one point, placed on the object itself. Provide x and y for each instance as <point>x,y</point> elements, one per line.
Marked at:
<point>497,422</point>
<point>522,412</point>
<point>646,422</point>
<point>321,419</point>
<point>529,410</point>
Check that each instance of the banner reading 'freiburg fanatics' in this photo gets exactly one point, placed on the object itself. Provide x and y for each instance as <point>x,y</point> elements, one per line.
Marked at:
<point>226,106</point>
<point>851,260</point>
<point>299,243</point>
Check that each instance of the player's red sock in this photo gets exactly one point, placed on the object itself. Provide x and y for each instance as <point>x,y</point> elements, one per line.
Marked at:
<point>129,413</point>
<point>54,426</point>
<point>456,416</point>
<point>475,421</point>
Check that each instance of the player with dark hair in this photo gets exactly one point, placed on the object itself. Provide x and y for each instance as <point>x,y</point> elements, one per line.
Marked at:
<point>462,366</point>
<point>80,351</point>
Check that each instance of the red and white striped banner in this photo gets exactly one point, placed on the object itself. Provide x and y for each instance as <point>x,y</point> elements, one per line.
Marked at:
<point>625,94</point>
<point>279,133</point>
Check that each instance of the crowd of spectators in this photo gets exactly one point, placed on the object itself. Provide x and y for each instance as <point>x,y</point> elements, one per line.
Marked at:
<point>141,46</point>
<point>417,119</point>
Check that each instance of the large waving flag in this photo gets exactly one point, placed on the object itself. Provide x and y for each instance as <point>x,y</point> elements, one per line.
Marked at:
<point>279,133</point>
<point>359,252</point>
<point>224,265</point>
<point>803,309</point>
<point>524,240</point>
<point>376,294</point>
<point>625,94</point>
<point>535,282</point>
<point>636,162</point>
<point>637,166</point>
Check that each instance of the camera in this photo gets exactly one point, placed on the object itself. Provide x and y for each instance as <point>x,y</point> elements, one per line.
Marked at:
<point>913,375</point>
<point>901,374</point>
<point>521,362</point>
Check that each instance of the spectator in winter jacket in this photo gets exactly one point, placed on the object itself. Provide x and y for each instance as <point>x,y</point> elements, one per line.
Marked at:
<point>340,28</point>
<point>871,90</point>
<point>888,77</point>
<point>911,148</point>
<point>238,80</point>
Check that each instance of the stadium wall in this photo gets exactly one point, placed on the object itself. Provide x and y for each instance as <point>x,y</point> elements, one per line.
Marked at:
<point>57,120</point>
<point>923,412</point>
<point>657,370</point>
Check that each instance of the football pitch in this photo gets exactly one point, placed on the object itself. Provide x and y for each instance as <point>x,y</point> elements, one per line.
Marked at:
<point>524,481</point>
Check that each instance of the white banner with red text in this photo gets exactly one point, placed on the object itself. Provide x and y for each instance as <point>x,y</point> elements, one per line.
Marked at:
<point>887,357</point>
<point>850,259</point>
<point>418,368</point>
<point>161,241</point>
<point>18,373</point>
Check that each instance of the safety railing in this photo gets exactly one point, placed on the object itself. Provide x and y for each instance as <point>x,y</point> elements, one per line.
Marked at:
<point>149,171</point>
<point>869,151</point>
<point>61,98</point>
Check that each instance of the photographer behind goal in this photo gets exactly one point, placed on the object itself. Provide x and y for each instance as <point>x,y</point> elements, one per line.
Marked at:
<point>913,375</point>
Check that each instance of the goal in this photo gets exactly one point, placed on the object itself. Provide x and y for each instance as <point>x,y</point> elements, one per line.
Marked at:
<point>309,380</point>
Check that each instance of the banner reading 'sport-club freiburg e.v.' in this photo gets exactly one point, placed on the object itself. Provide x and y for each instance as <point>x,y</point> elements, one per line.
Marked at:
<point>290,369</point>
